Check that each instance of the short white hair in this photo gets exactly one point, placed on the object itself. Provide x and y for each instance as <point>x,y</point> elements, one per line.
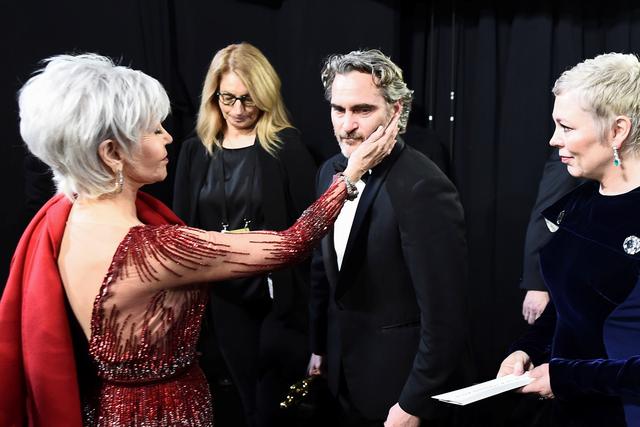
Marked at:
<point>77,101</point>
<point>607,86</point>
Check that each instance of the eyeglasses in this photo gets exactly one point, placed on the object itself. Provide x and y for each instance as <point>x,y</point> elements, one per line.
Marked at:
<point>230,99</point>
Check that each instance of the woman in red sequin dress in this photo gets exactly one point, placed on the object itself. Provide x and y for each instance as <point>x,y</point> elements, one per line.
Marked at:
<point>124,264</point>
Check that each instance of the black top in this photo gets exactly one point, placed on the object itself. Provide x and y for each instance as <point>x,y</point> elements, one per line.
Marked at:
<point>286,183</point>
<point>234,199</point>
<point>231,190</point>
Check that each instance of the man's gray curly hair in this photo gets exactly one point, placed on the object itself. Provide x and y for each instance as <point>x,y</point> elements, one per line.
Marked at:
<point>387,76</point>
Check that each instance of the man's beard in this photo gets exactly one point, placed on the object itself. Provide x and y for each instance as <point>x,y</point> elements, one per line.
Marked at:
<point>347,148</point>
<point>356,138</point>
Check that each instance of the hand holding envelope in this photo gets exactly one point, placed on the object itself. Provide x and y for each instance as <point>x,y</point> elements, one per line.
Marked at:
<point>515,371</point>
<point>476,392</point>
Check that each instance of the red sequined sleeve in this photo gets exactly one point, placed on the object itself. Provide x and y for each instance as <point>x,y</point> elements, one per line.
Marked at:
<point>175,255</point>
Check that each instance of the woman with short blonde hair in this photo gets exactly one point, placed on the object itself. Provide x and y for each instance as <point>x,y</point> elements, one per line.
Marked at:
<point>584,351</point>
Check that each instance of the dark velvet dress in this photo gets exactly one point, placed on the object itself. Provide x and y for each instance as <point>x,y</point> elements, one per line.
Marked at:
<point>590,335</point>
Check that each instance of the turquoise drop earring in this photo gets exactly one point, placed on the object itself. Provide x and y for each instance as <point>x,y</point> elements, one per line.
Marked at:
<point>616,157</point>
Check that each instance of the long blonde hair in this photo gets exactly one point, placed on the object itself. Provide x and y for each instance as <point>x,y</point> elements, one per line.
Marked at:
<point>263,84</point>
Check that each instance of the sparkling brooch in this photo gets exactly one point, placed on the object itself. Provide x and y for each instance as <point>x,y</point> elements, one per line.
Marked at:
<point>631,245</point>
<point>560,217</point>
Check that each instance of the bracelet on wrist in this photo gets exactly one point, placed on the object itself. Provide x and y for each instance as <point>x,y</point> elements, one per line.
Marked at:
<point>352,190</point>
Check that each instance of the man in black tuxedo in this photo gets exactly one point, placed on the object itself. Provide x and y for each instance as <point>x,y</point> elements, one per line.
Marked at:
<point>387,306</point>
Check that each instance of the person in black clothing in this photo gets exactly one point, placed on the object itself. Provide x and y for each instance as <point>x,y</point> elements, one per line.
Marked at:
<point>248,169</point>
<point>387,307</point>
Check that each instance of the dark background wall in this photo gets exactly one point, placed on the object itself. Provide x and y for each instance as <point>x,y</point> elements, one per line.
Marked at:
<point>482,70</point>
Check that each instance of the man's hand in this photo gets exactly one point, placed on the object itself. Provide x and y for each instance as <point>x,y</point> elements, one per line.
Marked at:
<point>316,365</point>
<point>397,417</point>
<point>534,304</point>
<point>516,363</point>
<point>541,383</point>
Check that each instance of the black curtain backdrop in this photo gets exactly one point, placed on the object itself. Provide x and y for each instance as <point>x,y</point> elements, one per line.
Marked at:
<point>481,71</point>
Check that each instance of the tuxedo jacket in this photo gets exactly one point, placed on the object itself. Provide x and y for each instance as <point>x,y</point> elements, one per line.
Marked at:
<point>393,319</point>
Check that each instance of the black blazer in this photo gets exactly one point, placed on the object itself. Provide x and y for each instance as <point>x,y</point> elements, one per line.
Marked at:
<point>394,318</point>
<point>287,189</point>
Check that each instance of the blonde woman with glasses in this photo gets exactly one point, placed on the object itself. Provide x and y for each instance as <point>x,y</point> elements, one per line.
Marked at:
<point>247,169</point>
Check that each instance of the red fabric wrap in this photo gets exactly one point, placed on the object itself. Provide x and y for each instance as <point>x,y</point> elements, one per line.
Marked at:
<point>38,379</point>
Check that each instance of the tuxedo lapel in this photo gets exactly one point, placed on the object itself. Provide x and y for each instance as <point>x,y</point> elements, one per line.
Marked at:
<point>355,245</point>
<point>330,258</point>
<point>366,200</point>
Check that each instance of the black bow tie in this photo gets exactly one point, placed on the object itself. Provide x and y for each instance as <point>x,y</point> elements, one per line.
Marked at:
<point>340,164</point>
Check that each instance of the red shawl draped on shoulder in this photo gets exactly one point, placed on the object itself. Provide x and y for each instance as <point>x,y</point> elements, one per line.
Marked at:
<point>38,380</point>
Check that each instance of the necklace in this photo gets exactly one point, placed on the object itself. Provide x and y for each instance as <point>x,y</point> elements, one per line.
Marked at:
<point>249,195</point>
